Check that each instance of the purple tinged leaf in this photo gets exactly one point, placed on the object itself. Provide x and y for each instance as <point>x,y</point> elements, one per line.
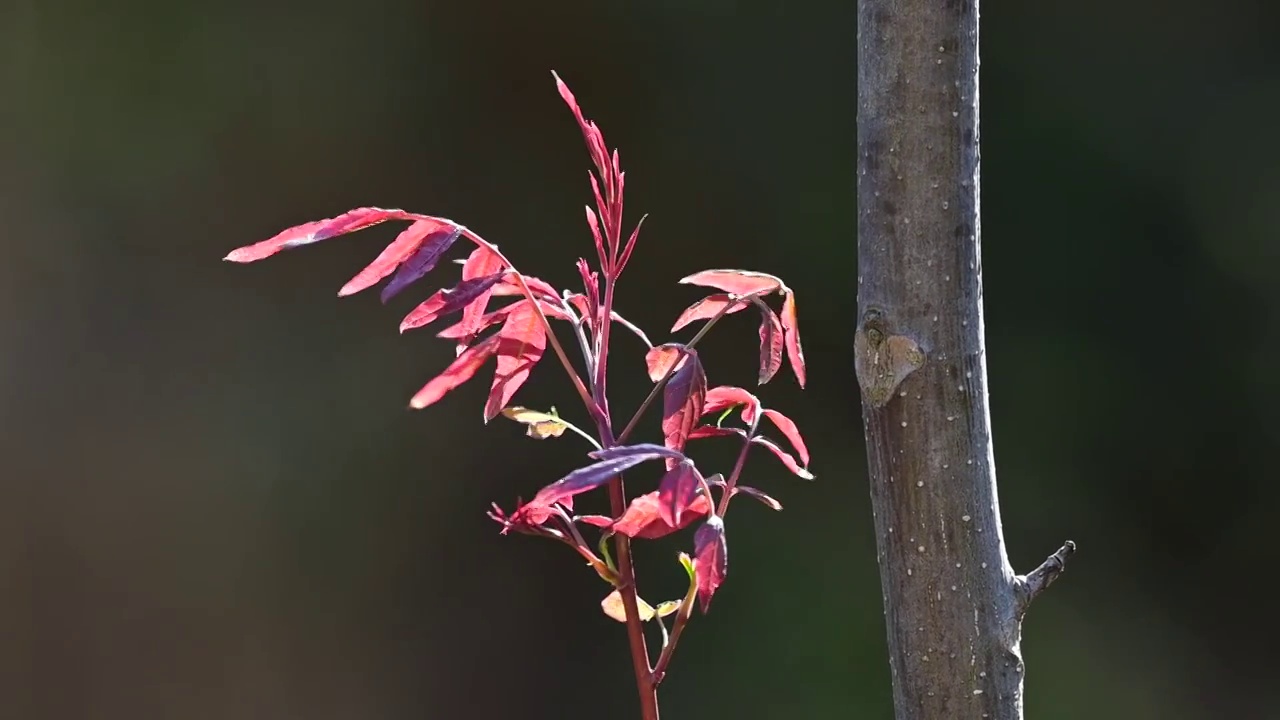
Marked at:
<point>759,495</point>
<point>421,262</point>
<point>448,301</point>
<point>391,257</point>
<point>771,343</point>
<point>682,401</point>
<point>650,451</point>
<point>677,491</point>
<point>710,559</point>
<point>786,457</point>
<point>612,461</point>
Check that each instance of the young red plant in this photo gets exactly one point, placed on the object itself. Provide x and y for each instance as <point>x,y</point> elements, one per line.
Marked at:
<point>684,495</point>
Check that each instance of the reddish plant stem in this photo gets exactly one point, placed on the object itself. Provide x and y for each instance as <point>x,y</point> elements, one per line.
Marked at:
<point>646,689</point>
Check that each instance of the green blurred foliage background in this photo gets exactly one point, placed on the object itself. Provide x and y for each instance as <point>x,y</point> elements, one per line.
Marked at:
<point>216,505</point>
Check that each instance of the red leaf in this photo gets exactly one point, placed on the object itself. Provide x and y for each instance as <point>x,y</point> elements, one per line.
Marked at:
<point>423,261</point>
<point>738,282</point>
<point>405,245</point>
<point>795,353</point>
<point>525,519</point>
<point>710,559</point>
<point>540,288</point>
<point>590,133</point>
<point>462,331</point>
<point>447,301</point>
<point>790,432</point>
<point>611,462</point>
<point>643,517</point>
<point>762,497</point>
<point>723,397</point>
<point>631,244</point>
<point>594,224</point>
<point>311,232</point>
<point>459,330</point>
<point>660,358</point>
<point>707,308</point>
<point>523,339</point>
<point>784,456</point>
<point>481,263</point>
<point>462,369</point>
<point>677,491</point>
<point>771,336</point>
<point>707,431</point>
<point>682,401</point>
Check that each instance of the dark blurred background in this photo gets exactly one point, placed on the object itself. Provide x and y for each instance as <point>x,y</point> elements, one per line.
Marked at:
<point>216,506</point>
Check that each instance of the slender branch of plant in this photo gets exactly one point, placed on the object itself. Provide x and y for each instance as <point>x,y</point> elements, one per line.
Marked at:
<point>684,495</point>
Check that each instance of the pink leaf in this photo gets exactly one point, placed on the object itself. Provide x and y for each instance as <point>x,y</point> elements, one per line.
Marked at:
<point>522,340</point>
<point>311,232</point>
<point>771,337</point>
<point>423,261</point>
<point>723,397</point>
<point>631,244</point>
<point>710,559</point>
<point>462,369</point>
<point>405,245</point>
<point>707,308</point>
<point>590,133</point>
<point>643,518</point>
<point>540,288</point>
<point>790,432</point>
<point>682,401</point>
<point>784,456</point>
<point>661,358</point>
<point>594,224</point>
<point>677,491</point>
<point>795,353</point>
<point>738,282</point>
<point>447,301</point>
<point>481,263</point>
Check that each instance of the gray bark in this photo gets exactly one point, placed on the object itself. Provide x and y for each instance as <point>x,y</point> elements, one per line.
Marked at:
<point>953,605</point>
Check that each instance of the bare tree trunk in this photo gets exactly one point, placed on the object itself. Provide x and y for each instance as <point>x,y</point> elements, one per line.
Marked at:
<point>953,604</point>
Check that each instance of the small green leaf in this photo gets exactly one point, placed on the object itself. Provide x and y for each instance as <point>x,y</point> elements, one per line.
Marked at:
<point>687,562</point>
<point>604,551</point>
<point>668,607</point>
